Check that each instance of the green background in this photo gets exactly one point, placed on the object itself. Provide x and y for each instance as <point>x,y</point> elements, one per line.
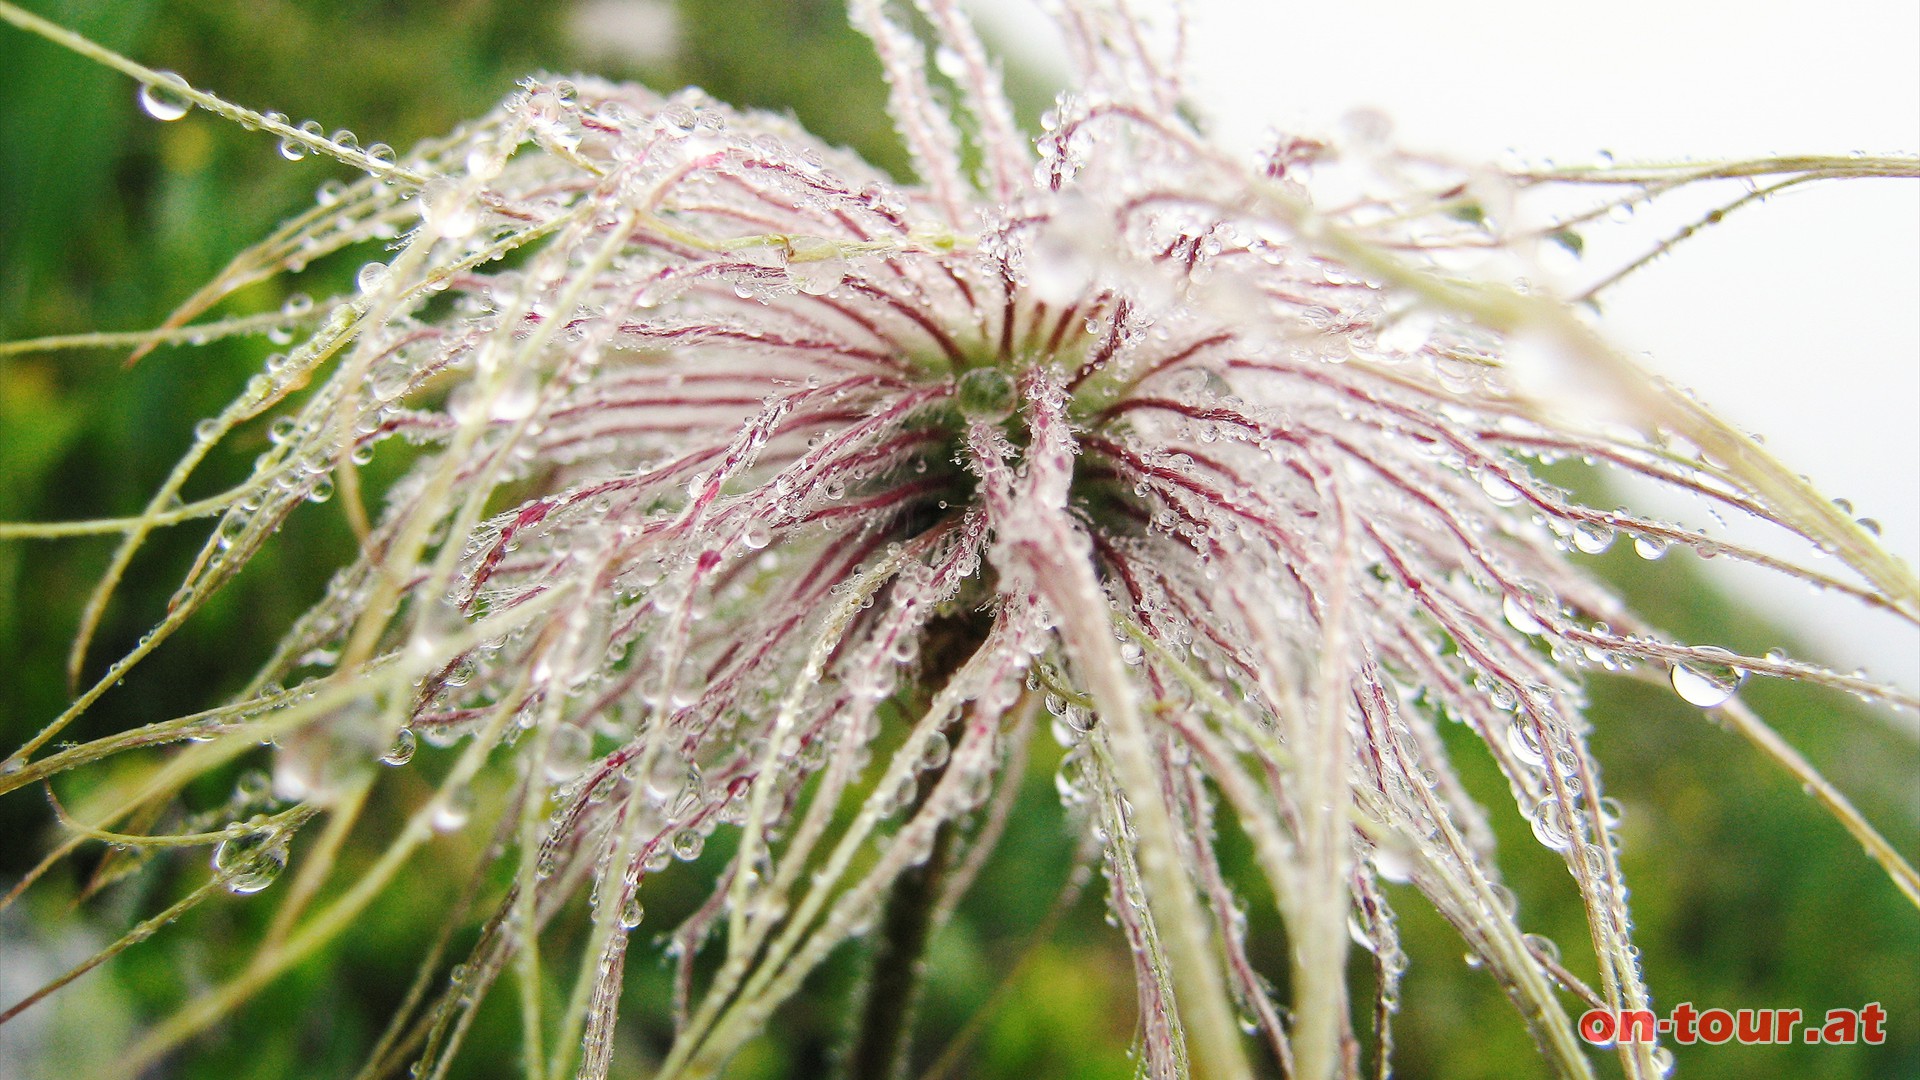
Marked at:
<point>1745,894</point>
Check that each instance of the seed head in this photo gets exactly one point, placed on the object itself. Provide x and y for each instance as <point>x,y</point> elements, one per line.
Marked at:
<point>753,490</point>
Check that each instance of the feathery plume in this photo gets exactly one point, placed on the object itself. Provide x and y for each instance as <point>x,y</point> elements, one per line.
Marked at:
<point>754,491</point>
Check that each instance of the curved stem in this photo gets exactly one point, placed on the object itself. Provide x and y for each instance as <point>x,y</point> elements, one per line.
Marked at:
<point>882,1048</point>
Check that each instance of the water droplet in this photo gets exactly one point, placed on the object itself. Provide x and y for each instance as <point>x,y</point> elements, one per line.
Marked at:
<point>1707,683</point>
<point>1549,824</point>
<point>1525,744</point>
<point>1392,865</point>
<point>687,845</point>
<point>250,862</point>
<point>935,752</point>
<point>904,649</point>
<point>232,528</point>
<point>631,914</point>
<point>1505,902</point>
<point>1592,537</point>
<point>1519,617</point>
<point>372,276</point>
<point>460,674</point>
<point>1358,934</point>
<point>251,787</point>
<point>165,99</point>
<point>817,277</point>
<point>1649,547</point>
<point>401,752</point>
<point>1499,491</point>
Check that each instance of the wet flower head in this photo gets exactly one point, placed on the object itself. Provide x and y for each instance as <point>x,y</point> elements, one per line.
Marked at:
<point>756,492</point>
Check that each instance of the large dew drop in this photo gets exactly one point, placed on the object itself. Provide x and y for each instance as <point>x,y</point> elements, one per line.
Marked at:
<point>1592,537</point>
<point>402,749</point>
<point>1519,617</point>
<point>249,863</point>
<point>1498,489</point>
<point>1550,825</point>
<point>1706,683</point>
<point>817,278</point>
<point>166,100</point>
<point>631,914</point>
<point>372,276</point>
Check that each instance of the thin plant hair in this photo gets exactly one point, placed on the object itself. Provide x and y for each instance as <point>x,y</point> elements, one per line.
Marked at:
<point>749,488</point>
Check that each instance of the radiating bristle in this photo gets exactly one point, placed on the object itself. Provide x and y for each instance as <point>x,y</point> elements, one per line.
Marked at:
<point>757,491</point>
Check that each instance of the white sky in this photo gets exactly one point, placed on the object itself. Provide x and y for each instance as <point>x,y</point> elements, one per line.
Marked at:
<point>1798,319</point>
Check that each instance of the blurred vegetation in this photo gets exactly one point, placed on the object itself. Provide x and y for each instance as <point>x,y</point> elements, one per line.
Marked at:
<point>1746,894</point>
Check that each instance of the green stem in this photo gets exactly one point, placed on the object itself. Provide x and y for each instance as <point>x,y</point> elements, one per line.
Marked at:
<point>100,54</point>
<point>881,1049</point>
<point>884,1038</point>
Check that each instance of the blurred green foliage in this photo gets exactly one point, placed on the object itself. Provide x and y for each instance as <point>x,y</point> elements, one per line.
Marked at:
<point>1746,894</point>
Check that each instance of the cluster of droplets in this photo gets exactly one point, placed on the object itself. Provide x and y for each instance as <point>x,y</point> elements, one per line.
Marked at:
<point>168,97</point>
